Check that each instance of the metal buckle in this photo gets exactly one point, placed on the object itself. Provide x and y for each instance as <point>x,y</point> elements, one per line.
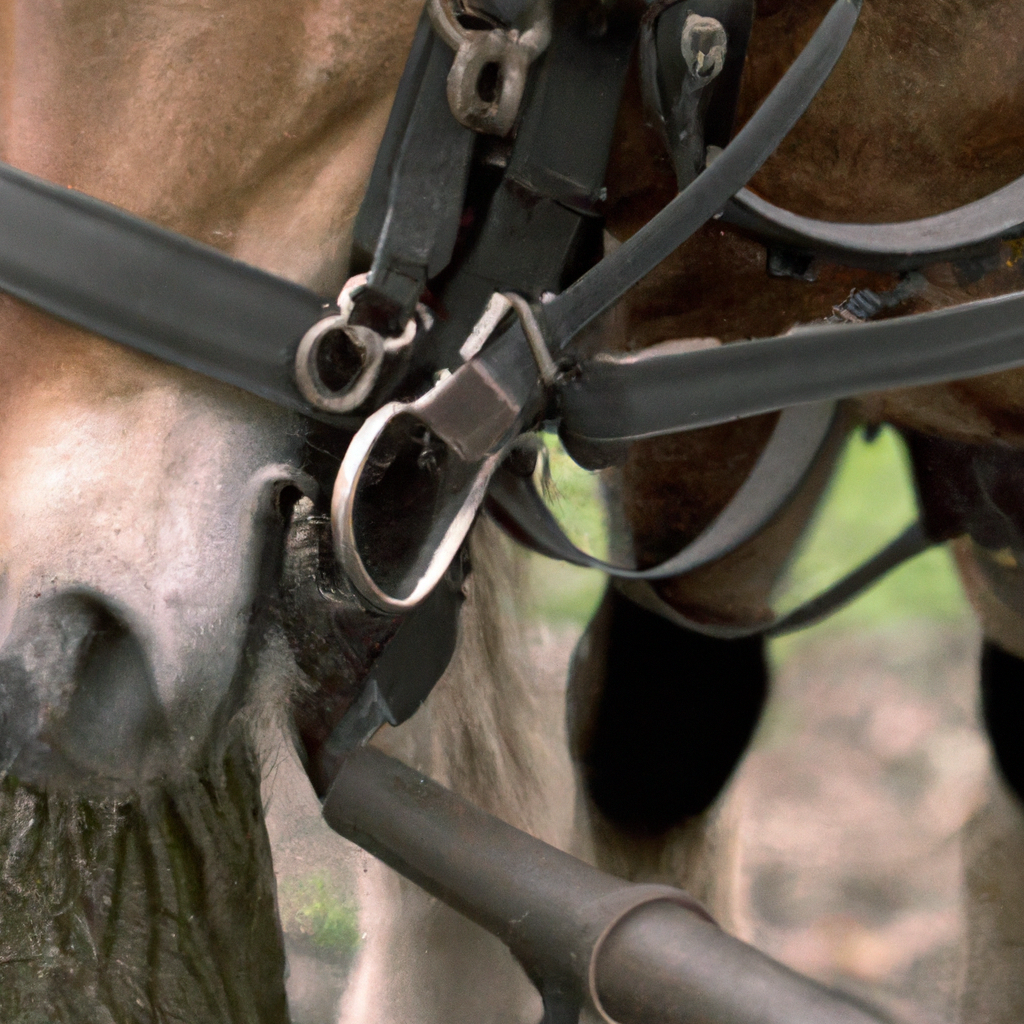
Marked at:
<point>488,75</point>
<point>457,434</point>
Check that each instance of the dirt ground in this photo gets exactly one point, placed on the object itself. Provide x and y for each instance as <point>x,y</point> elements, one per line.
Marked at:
<point>866,769</point>
<point>867,765</point>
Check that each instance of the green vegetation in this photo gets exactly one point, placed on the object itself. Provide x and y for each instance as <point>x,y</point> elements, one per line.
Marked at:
<point>870,500</point>
<point>562,593</point>
<point>311,908</point>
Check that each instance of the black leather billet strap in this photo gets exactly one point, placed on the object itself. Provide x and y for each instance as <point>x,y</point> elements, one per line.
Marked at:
<point>664,389</point>
<point>373,210</point>
<point>103,269</point>
<point>797,440</point>
<point>964,233</point>
<point>409,218</point>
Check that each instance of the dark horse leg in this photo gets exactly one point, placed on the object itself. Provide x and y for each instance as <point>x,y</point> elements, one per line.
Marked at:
<point>671,719</point>
<point>659,715</point>
<point>1002,705</point>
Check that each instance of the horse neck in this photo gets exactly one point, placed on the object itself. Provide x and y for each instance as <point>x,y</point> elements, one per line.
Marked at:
<point>920,115</point>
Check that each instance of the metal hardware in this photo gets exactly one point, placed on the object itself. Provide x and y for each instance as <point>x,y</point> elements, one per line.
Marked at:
<point>691,58</point>
<point>463,425</point>
<point>632,953</point>
<point>535,337</point>
<point>703,45</point>
<point>337,363</point>
<point>488,75</point>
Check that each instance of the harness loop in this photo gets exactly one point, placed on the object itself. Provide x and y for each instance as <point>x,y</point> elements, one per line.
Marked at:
<point>337,362</point>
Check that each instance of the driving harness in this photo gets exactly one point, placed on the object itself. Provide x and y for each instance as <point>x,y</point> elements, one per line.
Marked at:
<point>478,265</point>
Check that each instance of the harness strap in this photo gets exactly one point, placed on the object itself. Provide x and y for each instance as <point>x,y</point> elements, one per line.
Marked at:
<point>595,292</point>
<point>795,443</point>
<point>969,231</point>
<point>101,268</point>
<point>617,398</point>
<point>408,222</point>
<point>798,438</point>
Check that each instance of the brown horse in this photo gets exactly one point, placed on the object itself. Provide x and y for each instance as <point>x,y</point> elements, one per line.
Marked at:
<point>147,510</point>
<point>874,146</point>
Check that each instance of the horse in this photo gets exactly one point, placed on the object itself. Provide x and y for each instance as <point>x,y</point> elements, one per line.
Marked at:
<point>153,620</point>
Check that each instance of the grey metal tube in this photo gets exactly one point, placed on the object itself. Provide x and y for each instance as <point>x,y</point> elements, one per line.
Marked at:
<point>660,966</point>
<point>646,954</point>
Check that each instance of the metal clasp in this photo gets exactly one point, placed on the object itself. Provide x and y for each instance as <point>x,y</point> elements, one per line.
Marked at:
<point>338,363</point>
<point>422,468</point>
<point>488,75</point>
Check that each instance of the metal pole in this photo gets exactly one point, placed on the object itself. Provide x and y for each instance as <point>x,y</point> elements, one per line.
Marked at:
<point>639,954</point>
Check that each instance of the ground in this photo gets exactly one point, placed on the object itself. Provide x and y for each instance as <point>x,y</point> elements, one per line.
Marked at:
<point>867,765</point>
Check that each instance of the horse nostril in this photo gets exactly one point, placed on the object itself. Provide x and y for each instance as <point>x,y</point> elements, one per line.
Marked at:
<point>287,498</point>
<point>113,717</point>
<point>76,689</point>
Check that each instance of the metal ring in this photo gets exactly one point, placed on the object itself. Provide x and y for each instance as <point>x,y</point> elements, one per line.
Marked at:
<point>343,504</point>
<point>511,50</point>
<point>368,343</point>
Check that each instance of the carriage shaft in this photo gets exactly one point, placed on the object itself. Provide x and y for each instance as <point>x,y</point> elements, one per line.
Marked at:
<point>638,953</point>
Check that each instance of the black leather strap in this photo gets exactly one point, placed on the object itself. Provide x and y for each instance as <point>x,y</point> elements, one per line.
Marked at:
<point>513,502</point>
<point>100,268</point>
<point>795,444</point>
<point>663,389</point>
<point>967,232</point>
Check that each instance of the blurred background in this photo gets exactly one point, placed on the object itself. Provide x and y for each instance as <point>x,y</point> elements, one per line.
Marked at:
<point>866,767</point>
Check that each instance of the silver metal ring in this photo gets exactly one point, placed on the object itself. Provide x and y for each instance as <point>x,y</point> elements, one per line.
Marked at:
<point>366,342</point>
<point>511,50</point>
<point>343,505</point>
<point>369,345</point>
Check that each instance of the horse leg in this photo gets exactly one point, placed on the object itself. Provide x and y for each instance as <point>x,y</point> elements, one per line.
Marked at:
<point>483,733</point>
<point>993,980</point>
<point>659,715</point>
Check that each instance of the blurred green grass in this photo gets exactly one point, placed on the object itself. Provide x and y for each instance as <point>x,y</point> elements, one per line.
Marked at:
<point>869,501</point>
<point>313,910</point>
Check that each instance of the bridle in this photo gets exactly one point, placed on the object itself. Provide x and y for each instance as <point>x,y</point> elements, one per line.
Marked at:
<point>478,251</point>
